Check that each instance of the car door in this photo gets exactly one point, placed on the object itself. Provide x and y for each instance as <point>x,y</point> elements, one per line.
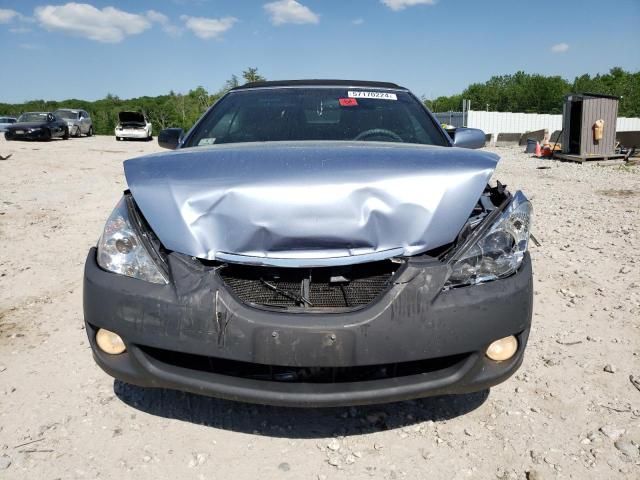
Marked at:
<point>84,121</point>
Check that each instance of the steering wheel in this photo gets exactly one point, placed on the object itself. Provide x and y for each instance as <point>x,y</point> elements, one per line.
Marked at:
<point>373,132</point>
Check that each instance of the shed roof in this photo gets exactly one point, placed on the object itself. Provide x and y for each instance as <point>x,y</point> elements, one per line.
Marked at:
<point>591,95</point>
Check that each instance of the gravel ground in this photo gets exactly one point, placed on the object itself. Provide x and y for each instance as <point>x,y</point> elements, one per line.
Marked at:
<point>570,412</point>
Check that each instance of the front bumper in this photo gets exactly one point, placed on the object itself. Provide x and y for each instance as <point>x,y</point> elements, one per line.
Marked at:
<point>39,134</point>
<point>413,323</point>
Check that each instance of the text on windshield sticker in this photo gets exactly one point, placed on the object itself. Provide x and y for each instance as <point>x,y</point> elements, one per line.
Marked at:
<point>373,95</point>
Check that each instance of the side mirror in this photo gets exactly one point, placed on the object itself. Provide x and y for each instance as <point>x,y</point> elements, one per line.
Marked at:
<point>468,138</point>
<point>170,138</point>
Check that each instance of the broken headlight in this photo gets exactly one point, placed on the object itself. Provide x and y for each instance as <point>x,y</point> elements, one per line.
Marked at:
<point>123,250</point>
<point>496,249</point>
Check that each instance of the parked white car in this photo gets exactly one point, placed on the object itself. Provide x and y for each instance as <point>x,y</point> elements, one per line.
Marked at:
<point>133,125</point>
<point>5,122</point>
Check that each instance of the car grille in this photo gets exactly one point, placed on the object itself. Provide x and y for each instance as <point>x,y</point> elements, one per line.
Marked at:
<point>285,374</point>
<point>313,289</point>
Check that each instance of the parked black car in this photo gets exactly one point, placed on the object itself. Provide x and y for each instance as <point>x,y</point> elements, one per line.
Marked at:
<point>37,126</point>
<point>313,243</point>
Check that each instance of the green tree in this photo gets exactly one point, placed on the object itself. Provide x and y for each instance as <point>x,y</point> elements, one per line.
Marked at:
<point>233,82</point>
<point>251,75</point>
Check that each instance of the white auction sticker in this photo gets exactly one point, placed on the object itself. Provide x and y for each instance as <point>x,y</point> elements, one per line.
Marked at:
<point>373,95</point>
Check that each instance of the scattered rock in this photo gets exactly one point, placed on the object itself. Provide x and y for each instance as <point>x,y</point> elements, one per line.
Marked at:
<point>635,381</point>
<point>334,461</point>
<point>197,459</point>
<point>334,445</point>
<point>627,448</point>
<point>426,454</point>
<point>533,475</point>
<point>5,462</point>
<point>612,432</point>
<point>350,459</point>
<point>625,269</point>
<point>284,466</point>
<point>609,368</point>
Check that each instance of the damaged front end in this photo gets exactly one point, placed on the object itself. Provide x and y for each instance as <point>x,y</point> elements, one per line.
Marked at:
<point>491,245</point>
<point>313,327</point>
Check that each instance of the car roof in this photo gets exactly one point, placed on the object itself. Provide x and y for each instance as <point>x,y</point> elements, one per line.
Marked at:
<point>319,83</point>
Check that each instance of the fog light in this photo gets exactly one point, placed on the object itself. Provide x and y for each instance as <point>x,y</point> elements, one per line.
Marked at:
<point>503,349</point>
<point>110,342</point>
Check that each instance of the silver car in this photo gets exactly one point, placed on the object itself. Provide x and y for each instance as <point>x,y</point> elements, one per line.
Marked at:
<point>313,243</point>
<point>78,121</point>
<point>5,122</point>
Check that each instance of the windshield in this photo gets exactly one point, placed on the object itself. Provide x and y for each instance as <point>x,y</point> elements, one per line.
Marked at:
<point>283,114</point>
<point>66,114</point>
<point>33,117</point>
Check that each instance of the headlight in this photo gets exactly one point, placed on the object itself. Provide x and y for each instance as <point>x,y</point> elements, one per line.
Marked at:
<point>122,250</point>
<point>497,250</point>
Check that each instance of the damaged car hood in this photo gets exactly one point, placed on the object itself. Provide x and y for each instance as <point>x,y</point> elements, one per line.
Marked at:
<point>307,204</point>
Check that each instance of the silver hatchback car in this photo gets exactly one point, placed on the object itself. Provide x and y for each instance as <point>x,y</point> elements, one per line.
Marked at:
<point>78,121</point>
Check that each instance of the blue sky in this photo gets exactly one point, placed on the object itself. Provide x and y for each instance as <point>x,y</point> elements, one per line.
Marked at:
<point>434,47</point>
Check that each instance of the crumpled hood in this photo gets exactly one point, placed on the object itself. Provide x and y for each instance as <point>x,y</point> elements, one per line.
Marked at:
<point>308,204</point>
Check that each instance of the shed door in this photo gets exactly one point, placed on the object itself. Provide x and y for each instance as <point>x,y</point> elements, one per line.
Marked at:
<point>575,127</point>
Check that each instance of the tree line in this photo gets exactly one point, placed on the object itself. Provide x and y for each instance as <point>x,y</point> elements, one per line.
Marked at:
<point>171,110</point>
<point>520,92</point>
<point>532,93</point>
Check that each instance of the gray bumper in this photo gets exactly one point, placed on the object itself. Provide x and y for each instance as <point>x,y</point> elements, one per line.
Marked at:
<point>413,321</point>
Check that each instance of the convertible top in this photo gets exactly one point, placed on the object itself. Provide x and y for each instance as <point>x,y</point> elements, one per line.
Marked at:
<point>317,83</point>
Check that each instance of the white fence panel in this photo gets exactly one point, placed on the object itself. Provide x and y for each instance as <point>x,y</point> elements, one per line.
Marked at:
<point>450,118</point>
<point>628,124</point>
<point>509,122</point>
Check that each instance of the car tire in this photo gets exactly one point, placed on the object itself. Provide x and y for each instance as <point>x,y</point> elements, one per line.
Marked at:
<point>47,135</point>
<point>7,136</point>
<point>78,133</point>
<point>90,132</point>
<point>118,139</point>
<point>65,135</point>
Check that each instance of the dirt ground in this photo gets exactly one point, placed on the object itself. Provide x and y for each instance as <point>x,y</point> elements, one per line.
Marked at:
<point>570,412</point>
